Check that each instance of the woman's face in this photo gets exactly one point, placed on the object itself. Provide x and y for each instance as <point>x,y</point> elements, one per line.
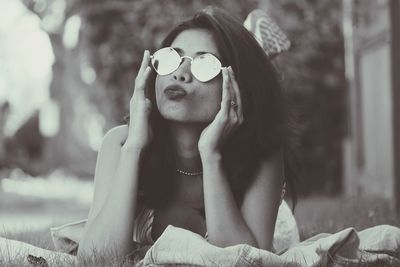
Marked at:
<point>199,102</point>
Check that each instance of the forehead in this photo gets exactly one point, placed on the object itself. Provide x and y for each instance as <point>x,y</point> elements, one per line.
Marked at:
<point>193,41</point>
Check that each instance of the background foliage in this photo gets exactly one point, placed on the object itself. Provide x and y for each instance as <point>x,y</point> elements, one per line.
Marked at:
<point>114,34</point>
<point>315,84</point>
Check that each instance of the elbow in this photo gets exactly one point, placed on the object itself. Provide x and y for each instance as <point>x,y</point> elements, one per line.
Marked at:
<point>88,251</point>
<point>266,245</point>
<point>231,241</point>
<point>82,251</point>
<point>81,256</point>
<point>251,241</point>
<point>223,243</point>
<point>267,248</point>
<point>84,254</point>
<point>90,255</point>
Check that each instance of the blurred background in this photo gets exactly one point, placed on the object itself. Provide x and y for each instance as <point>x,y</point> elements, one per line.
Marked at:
<point>66,76</point>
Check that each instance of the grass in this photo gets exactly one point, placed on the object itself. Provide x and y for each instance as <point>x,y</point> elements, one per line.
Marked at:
<point>41,239</point>
<point>313,215</point>
<point>329,215</point>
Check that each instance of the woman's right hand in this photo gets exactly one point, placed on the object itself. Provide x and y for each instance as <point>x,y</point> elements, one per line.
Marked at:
<point>140,132</point>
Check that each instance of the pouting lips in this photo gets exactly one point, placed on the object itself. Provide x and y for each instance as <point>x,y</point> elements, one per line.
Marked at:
<point>175,92</point>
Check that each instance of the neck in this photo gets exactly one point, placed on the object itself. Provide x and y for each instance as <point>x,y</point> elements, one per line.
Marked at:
<point>185,140</point>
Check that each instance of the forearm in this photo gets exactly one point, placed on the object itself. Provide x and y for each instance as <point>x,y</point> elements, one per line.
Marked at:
<point>225,223</point>
<point>111,228</point>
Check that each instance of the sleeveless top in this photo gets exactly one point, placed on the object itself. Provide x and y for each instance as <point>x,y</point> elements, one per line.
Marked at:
<point>144,221</point>
<point>142,226</point>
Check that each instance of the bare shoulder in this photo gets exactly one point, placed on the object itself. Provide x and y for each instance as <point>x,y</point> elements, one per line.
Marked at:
<point>110,148</point>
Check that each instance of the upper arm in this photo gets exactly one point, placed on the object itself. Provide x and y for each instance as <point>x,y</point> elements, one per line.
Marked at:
<point>261,201</point>
<point>106,165</point>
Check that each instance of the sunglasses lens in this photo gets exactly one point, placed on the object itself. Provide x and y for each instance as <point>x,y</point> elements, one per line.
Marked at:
<point>205,67</point>
<point>165,61</point>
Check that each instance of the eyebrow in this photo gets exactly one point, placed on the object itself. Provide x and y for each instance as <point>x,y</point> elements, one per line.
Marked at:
<point>181,52</point>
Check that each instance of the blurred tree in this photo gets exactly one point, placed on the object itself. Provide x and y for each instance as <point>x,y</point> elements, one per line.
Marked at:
<point>315,84</point>
<point>4,111</point>
<point>69,148</point>
<point>101,66</point>
<point>114,34</point>
<point>25,147</point>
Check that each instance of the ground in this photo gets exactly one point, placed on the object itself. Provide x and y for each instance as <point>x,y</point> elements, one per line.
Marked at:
<point>314,215</point>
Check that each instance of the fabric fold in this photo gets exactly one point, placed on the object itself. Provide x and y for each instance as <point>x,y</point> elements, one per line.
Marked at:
<point>180,246</point>
<point>67,236</point>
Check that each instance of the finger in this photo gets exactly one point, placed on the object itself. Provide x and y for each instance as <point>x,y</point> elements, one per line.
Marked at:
<point>230,87</point>
<point>233,116</point>
<point>238,98</point>
<point>234,87</point>
<point>142,76</point>
<point>225,102</point>
<point>143,67</point>
<point>145,62</point>
<point>146,75</point>
<point>140,84</point>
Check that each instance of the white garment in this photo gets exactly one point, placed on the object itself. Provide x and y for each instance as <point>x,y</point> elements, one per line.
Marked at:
<point>66,237</point>
<point>181,246</point>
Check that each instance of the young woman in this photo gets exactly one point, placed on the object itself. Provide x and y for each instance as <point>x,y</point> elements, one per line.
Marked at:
<point>203,150</point>
<point>203,146</point>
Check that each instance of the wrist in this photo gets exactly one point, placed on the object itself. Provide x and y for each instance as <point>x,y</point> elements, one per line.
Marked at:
<point>134,151</point>
<point>210,156</point>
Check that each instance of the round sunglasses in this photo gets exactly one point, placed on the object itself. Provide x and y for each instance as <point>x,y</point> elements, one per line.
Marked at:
<point>204,67</point>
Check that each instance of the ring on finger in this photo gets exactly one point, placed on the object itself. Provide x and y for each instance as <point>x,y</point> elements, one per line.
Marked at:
<point>234,104</point>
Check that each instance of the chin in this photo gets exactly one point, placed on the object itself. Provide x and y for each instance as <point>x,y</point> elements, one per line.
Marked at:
<point>185,114</point>
<point>184,117</point>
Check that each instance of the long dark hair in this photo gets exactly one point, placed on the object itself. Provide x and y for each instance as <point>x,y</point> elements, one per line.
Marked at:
<point>264,130</point>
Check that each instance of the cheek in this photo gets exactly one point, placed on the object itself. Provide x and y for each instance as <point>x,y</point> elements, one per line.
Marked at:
<point>217,91</point>
<point>158,87</point>
<point>212,101</point>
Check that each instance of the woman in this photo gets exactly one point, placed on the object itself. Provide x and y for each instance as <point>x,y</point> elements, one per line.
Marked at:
<point>203,148</point>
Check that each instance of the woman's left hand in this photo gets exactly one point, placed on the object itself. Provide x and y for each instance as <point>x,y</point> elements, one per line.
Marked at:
<point>228,118</point>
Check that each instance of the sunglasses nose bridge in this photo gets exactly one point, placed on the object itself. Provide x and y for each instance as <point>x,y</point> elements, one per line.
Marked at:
<point>182,62</point>
<point>190,59</point>
<point>183,71</point>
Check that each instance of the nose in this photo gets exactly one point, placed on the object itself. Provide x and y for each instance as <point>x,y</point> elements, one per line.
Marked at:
<point>183,74</point>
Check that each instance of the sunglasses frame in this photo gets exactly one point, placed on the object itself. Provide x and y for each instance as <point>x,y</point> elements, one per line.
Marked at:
<point>191,61</point>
